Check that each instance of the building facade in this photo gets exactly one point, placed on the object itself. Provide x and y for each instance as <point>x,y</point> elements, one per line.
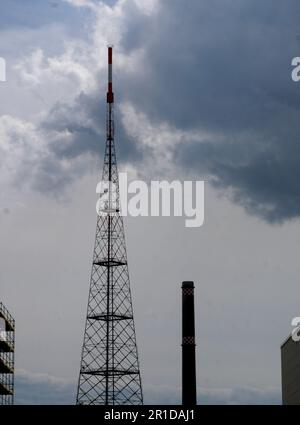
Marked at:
<point>7,356</point>
<point>290,371</point>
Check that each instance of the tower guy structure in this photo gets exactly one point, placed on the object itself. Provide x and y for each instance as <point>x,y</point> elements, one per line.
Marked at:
<point>109,371</point>
<point>7,355</point>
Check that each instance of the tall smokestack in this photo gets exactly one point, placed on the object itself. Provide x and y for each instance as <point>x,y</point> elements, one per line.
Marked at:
<point>189,393</point>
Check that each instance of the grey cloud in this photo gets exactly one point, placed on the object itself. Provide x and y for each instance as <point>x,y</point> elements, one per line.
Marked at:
<point>45,389</point>
<point>220,67</point>
<point>225,68</point>
<point>84,123</point>
<point>85,120</point>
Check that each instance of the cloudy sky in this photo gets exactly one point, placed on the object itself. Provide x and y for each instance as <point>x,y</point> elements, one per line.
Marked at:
<point>203,90</point>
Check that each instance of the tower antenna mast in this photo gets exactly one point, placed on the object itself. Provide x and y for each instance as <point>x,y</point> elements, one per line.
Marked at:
<point>109,370</point>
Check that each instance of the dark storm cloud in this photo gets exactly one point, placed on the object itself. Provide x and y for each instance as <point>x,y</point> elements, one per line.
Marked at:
<point>85,121</point>
<point>220,67</point>
<point>224,67</point>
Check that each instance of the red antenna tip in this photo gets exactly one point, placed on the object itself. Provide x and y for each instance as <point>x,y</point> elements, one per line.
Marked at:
<point>110,95</point>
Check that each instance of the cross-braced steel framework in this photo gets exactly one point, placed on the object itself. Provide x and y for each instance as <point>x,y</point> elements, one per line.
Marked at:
<point>7,349</point>
<point>109,372</point>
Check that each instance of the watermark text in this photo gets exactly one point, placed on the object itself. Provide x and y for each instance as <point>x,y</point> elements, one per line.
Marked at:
<point>158,198</point>
<point>296,331</point>
<point>2,69</point>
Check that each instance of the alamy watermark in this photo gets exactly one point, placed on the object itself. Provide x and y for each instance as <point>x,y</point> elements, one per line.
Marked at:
<point>2,70</point>
<point>159,198</point>
<point>296,331</point>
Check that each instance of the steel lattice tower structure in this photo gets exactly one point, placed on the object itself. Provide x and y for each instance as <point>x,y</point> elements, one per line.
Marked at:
<point>109,372</point>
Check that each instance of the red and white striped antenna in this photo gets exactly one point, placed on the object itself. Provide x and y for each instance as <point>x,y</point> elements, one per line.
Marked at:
<point>110,94</point>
